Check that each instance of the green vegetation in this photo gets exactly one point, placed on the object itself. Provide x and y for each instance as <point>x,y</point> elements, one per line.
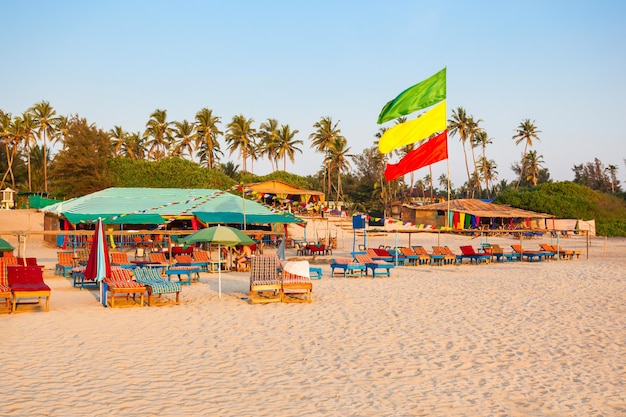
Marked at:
<point>165,173</point>
<point>568,200</point>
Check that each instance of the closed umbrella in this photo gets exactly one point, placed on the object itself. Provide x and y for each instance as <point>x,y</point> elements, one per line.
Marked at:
<point>223,236</point>
<point>98,266</point>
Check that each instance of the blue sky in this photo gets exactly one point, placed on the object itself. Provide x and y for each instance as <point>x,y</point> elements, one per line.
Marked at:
<point>561,64</point>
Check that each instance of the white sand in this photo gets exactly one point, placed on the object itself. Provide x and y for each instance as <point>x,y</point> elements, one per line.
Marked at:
<point>513,339</point>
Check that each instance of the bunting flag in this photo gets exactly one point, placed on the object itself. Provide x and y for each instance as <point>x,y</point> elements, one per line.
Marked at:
<point>434,150</point>
<point>431,122</point>
<point>424,94</point>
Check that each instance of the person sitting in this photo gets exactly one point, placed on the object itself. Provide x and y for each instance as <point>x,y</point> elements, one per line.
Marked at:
<point>243,257</point>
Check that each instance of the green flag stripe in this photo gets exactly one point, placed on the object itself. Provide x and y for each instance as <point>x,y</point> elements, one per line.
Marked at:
<point>424,94</point>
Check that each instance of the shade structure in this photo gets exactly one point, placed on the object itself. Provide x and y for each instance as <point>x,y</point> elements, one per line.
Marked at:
<point>5,246</point>
<point>98,265</point>
<point>223,236</point>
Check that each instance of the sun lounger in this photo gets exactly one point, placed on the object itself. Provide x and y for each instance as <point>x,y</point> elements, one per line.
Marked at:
<point>444,255</point>
<point>468,252</point>
<point>265,282</point>
<point>410,257</point>
<point>424,257</point>
<point>121,259</point>
<point>530,255</point>
<point>562,253</point>
<point>377,267</point>
<point>121,282</point>
<point>296,283</point>
<point>349,267</point>
<point>27,282</point>
<point>379,255</point>
<point>65,263</point>
<point>156,284</point>
<point>500,255</point>
<point>5,289</point>
<point>397,256</point>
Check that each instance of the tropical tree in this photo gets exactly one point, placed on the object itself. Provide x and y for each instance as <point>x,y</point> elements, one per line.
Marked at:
<point>44,115</point>
<point>240,136</point>
<point>29,126</point>
<point>230,169</point>
<point>532,166</point>
<point>287,145</point>
<point>134,146</point>
<point>158,135</point>
<point>323,138</point>
<point>184,138</point>
<point>482,139</point>
<point>461,123</point>
<point>337,160</point>
<point>487,170</point>
<point>268,144</point>
<point>118,138</point>
<point>526,132</point>
<point>612,170</point>
<point>207,134</point>
<point>13,137</point>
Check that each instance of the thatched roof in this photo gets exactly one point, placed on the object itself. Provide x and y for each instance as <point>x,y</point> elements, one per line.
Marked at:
<point>480,208</point>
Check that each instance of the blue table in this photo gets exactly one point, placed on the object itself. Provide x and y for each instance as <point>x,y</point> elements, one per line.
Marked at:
<point>192,273</point>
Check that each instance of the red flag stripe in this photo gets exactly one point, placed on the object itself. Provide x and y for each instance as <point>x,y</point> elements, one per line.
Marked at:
<point>435,150</point>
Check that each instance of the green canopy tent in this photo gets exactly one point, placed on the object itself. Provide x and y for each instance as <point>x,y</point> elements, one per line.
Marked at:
<point>5,246</point>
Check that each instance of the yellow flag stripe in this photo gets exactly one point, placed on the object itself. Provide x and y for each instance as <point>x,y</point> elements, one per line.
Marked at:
<point>431,122</point>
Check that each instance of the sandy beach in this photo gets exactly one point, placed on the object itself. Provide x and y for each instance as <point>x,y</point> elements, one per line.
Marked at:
<point>504,339</point>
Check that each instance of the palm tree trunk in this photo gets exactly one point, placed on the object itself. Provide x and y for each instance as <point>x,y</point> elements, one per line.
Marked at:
<point>521,168</point>
<point>469,180</point>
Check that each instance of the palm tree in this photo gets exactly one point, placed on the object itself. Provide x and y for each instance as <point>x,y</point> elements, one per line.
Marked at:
<point>29,126</point>
<point>118,137</point>
<point>482,139</point>
<point>323,138</point>
<point>473,129</point>
<point>134,146</point>
<point>206,137</point>
<point>612,170</point>
<point>487,169</point>
<point>44,116</point>
<point>240,136</point>
<point>532,165</point>
<point>230,169</point>
<point>460,123</point>
<point>525,132</point>
<point>13,136</point>
<point>269,141</point>
<point>337,160</point>
<point>158,134</point>
<point>186,133</point>
<point>287,145</point>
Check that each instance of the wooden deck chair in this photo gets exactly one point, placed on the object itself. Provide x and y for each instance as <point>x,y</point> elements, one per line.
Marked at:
<point>5,289</point>
<point>203,259</point>
<point>445,254</point>
<point>120,259</point>
<point>376,255</point>
<point>65,263</point>
<point>296,283</point>
<point>158,258</point>
<point>27,282</point>
<point>411,257</point>
<point>121,283</point>
<point>156,284</point>
<point>531,255</point>
<point>265,282</point>
<point>424,257</point>
<point>377,267</point>
<point>348,266</point>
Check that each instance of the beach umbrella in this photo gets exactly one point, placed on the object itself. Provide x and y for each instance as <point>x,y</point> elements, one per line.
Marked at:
<point>223,236</point>
<point>98,266</point>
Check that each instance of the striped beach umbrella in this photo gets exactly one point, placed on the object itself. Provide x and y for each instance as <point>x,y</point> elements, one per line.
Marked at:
<point>98,266</point>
